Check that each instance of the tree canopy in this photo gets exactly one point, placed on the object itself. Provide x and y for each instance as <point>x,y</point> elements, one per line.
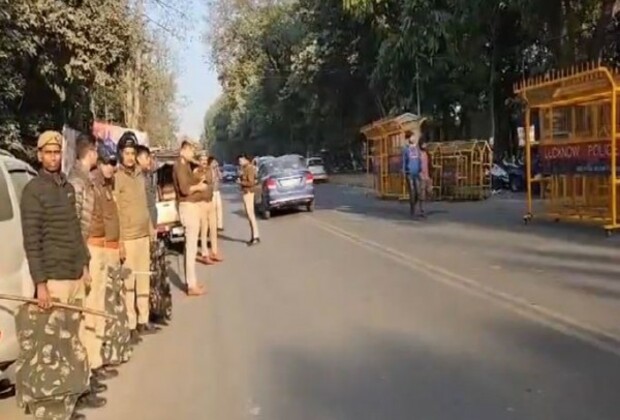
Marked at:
<point>303,75</point>
<point>70,62</point>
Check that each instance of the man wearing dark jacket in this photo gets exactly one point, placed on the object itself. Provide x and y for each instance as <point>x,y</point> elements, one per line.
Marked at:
<point>56,252</point>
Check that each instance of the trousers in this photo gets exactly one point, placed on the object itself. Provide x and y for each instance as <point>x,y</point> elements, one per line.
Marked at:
<point>137,284</point>
<point>190,218</point>
<point>248,205</point>
<point>94,326</point>
<point>219,211</point>
<point>208,227</point>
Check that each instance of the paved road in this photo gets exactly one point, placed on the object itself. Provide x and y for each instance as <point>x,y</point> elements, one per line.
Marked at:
<point>355,312</point>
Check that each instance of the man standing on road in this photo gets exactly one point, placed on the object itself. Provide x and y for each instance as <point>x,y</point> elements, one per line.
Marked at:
<point>247,181</point>
<point>188,190</point>
<point>80,178</point>
<point>135,233</point>
<point>208,220</point>
<point>412,167</point>
<point>217,197</point>
<point>58,262</point>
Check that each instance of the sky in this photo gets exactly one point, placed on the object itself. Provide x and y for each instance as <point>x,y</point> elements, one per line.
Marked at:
<point>197,83</point>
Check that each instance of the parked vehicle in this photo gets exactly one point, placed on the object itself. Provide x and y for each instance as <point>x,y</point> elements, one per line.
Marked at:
<point>168,221</point>
<point>230,173</point>
<point>14,274</point>
<point>511,176</point>
<point>317,168</point>
<point>284,182</point>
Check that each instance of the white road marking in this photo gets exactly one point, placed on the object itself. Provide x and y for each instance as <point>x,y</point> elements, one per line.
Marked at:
<point>567,325</point>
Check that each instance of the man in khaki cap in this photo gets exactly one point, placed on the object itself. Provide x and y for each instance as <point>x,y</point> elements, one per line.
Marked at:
<point>58,262</point>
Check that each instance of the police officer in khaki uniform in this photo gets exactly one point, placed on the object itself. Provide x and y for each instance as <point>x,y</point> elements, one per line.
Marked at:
<point>80,177</point>
<point>208,212</point>
<point>188,189</point>
<point>135,235</point>
<point>247,181</point>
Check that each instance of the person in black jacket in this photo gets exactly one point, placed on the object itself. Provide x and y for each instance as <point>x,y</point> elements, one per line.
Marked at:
<point>57,255</point>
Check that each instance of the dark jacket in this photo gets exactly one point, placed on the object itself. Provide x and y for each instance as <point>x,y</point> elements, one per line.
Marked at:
<point>53,239</point>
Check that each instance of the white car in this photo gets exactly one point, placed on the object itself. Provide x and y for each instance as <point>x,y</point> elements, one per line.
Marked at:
<point>317,169</point>
<point>14,274</point>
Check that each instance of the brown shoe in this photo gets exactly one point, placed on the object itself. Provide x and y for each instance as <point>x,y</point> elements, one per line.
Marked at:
<point>204,260</point>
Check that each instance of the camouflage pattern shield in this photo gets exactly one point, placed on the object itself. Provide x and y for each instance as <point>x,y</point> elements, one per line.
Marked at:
<point>116,346</point>
<point>52,369</point>
<point>160,298</point>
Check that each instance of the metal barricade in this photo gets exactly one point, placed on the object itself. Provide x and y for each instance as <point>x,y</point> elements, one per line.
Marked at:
<point>460,170</point>
<point>577,117</point>
<point>386,139</point>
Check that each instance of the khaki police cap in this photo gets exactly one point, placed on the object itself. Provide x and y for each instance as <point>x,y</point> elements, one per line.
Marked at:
<point>49,138</point>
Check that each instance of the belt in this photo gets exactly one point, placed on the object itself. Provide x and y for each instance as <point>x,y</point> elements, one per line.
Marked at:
<point>99,242</point>
<point>112,244</point>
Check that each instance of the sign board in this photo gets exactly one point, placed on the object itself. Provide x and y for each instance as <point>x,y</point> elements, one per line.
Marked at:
<point>107,133</point>
<point>575,158</point>
<point>110,133</point>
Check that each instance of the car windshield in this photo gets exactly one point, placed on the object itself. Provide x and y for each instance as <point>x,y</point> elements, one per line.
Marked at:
<point>229,168</point>
<point>315,162</point>
<point>285,164</point>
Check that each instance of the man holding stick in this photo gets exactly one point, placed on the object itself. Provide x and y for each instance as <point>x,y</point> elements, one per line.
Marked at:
<point>58,261</point>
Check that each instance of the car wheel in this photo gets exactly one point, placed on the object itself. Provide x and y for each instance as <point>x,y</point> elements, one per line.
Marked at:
<point>310,206</point>
<point>264,209</point>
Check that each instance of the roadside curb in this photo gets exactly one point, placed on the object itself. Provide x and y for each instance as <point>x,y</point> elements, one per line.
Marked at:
<point>349,181</point>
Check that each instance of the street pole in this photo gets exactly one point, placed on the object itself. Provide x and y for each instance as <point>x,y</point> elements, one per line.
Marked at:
<point>417,85</point>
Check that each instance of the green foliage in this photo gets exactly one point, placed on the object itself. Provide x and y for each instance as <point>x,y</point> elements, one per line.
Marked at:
<point>303,75</point>
<point>62,63</point>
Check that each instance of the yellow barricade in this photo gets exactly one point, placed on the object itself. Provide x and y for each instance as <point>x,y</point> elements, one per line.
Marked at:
<point>576,115</point>
<point>460,170</point>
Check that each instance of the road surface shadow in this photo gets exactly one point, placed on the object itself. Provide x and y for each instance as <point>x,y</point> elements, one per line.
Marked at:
<point>231,239</point>
<point>176,267</point>
<point>376,376</point>
<point>495,213</point>
<point>582,272</point>
<point>274,213</point>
